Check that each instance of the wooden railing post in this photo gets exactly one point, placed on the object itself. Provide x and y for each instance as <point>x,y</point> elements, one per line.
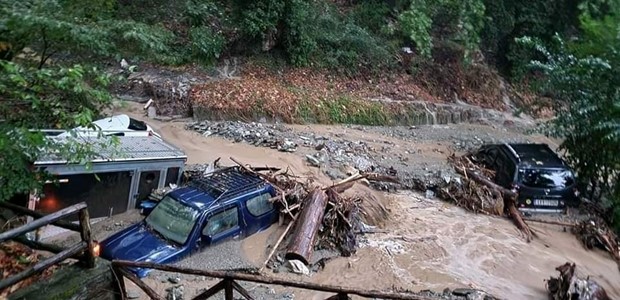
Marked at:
<point>89,257</point>
<point>339,296</point>
<point>228,289</point>
<point>120,279</point>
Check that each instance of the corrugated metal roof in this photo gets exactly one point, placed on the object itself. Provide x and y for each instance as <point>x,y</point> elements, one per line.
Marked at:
<point>130,148</point>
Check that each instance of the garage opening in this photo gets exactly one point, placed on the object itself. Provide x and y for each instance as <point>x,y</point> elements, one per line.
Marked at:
<point>104,193</point>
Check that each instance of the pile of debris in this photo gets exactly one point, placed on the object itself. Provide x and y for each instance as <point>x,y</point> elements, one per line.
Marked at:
<point>595,233</point>
<point>568,286</point>
<point>318,217</point>
<point>474,191</point>
<point>456,294</point>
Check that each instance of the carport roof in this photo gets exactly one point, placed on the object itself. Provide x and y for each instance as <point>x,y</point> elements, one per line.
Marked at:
<point>129,148</point>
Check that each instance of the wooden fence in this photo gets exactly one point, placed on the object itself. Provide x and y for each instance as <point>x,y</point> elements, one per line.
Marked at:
<point>229,283</point>
<point>82,251</point>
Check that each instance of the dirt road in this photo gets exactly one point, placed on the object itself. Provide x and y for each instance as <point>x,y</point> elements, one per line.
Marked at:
<point>430,244</point>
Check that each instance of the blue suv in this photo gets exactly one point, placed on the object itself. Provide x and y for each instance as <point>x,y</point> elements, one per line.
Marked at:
<point>229,204</point>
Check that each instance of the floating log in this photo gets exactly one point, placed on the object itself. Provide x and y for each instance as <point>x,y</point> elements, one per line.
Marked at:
<point>309,220</point>
<point>516,217</point>
<point>568,286</point>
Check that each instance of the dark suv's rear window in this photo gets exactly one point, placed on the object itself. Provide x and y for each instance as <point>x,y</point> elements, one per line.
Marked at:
<point>136,125</point>
<point>546,178</point>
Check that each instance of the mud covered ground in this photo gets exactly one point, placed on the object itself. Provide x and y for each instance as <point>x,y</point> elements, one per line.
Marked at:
<point>425,244</point>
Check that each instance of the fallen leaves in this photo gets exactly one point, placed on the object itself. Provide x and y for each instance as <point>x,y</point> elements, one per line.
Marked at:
<point>15,258</point>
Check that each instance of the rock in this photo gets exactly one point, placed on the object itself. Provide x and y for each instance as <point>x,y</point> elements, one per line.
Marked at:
<point>429,194</point>
<point>287,146</point>
<point>133,294</point>
<point>124,64</point>
<point>152,112</point>
<point>313,160</point>
<point>298,267</point>
<point>363,164</point>
<point>174,279</point>
<point>175,293</point>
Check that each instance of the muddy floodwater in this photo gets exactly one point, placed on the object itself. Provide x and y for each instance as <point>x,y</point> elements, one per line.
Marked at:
<point>432,245</point>
<point>426,244</point>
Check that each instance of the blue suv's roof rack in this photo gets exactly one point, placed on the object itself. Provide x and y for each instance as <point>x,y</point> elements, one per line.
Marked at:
<point>227,183</point>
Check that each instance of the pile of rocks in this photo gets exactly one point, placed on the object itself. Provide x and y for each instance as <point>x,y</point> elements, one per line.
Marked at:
<point>257,134</point>
<point>323,151</point>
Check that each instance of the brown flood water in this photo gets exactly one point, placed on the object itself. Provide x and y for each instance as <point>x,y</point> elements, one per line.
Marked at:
<point>429,244</point>
<point>432,245</point>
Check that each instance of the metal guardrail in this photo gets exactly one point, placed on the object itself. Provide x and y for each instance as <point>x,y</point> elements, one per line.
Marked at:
<point>85,246</point>
<point>229,283</point>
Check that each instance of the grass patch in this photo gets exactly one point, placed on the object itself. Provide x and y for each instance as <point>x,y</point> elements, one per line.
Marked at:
<point>343,110</point>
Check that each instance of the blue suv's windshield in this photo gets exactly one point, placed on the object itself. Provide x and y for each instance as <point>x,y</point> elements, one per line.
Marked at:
<point>173,219</point>
<point>546,178</point>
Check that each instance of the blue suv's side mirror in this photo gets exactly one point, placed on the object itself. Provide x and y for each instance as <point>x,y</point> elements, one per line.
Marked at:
<point>147,206</point>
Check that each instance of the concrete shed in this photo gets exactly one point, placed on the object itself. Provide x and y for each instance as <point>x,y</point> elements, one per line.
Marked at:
<point>114,181</point>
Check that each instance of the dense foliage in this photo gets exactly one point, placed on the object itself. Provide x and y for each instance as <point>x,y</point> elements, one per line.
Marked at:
<point>41,99</point>
<point>584,78</point>
<point>574,43</point>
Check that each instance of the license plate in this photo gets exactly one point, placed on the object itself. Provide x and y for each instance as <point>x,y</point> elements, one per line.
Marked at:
<point>546,202</point>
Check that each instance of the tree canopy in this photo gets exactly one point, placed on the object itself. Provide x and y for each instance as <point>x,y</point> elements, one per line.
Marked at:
<point>48,49</point>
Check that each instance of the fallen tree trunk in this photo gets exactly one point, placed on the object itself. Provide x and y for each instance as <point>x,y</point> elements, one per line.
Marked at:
<point>509,200</point>
<point>482,180</point>
<point>308,223</point>
<point>516,218</point>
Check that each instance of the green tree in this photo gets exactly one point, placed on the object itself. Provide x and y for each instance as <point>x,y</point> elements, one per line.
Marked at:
<point>587,93</point>
<point>52,27</point>
<point>506,20</point>
<point>448,20</point>
<point>40,99</point>
<point>310,33</point>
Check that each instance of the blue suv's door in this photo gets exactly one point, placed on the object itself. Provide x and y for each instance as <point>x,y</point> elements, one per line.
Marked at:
<point>223,224</point>
<point>259,211</point>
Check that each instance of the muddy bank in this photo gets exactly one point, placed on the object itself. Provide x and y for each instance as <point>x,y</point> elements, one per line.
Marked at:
<point>253,93</point>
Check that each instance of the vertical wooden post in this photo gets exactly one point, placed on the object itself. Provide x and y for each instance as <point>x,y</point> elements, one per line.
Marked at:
<point>120,279</point>
<point>339,296</point>
<point>89,257</point>
<point>228,289</point>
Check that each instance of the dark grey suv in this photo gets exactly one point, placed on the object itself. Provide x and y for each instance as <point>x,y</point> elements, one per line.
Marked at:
<point>543,180</point>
